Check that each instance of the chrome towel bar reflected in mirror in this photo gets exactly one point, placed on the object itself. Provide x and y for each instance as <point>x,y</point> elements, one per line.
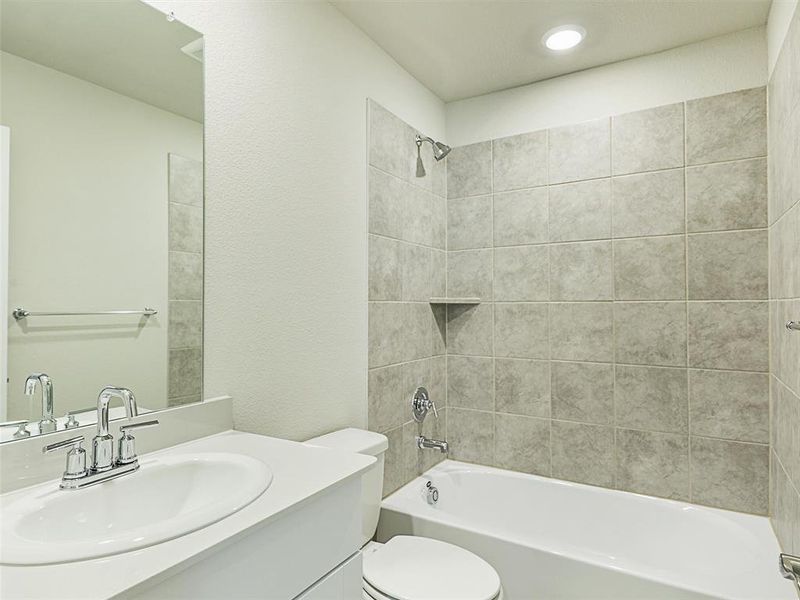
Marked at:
<point>21,313</point>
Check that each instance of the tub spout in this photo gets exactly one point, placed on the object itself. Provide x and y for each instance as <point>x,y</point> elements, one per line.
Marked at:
<point>440,445</point>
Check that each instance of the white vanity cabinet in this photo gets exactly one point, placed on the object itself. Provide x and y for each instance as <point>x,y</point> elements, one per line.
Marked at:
<point>344,583</point>
<point>308,554</point>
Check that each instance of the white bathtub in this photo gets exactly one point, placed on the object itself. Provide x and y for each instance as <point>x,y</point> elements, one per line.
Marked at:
<point>550,539</point>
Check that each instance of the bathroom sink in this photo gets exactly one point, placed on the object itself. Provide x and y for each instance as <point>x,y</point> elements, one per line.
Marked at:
<point>167,497</point>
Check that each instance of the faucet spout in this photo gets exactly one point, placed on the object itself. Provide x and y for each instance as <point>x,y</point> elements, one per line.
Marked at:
<point>103,442</point>
<point>104,399</point>
<point>440,445</point>
<point>47,423</point>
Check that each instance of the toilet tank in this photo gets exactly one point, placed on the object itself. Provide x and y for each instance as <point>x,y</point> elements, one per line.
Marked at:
<point>359,441</point>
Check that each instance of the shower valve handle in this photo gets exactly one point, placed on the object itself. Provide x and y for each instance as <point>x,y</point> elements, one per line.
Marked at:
<point>421,403</point>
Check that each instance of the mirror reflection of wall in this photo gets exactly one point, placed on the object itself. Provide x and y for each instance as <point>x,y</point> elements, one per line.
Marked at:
<point>104,102</point>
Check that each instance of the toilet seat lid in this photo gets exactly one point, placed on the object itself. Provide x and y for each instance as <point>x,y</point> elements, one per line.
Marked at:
<point>410,568</point>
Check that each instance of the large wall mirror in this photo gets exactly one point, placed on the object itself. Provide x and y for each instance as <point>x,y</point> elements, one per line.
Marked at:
<point>101,219</point>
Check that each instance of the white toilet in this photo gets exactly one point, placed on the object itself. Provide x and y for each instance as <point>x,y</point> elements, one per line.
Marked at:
<point>408,567</point>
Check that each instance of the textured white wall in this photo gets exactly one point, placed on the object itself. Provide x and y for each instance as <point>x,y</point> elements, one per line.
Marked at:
<point>723,64</point>
<point>780,17</point>
<point>286,258</point>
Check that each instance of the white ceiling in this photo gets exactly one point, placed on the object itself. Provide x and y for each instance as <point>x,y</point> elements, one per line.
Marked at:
<point>462,49</point>
<point>122,45</point>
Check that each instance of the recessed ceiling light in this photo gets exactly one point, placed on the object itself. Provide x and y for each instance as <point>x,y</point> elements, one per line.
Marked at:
<point>564,37</point>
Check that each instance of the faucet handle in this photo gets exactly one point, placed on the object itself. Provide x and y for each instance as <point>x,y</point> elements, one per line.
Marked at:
<point>22,428</point>
<point>127,443</point>
<point>76,457</point>
<point>144,424</point>
<point>68,443</point>
<point>72,416</point>
<point>421,404</point>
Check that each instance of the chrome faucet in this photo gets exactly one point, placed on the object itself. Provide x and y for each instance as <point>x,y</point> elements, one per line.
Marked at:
<point>103,464</point>
<point>103,442</point>
<point>789,567</point>
<point>421,403</point>
<point>440,445</point>
<point>47,424</point>
<point>22,428</point>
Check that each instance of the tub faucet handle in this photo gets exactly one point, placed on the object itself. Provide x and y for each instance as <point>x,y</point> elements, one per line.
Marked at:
<point>421,403</point>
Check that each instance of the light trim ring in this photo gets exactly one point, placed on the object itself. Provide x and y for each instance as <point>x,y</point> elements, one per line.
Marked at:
<point>564,37</point>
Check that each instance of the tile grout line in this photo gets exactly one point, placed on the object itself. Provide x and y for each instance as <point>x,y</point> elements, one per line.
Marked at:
<point>494,320</point>
<point>600,178</point>
<point>613,315</point>
<point>577,241</point>
<point>770,366</point>
<point>685,107</point>
<point>446,382</point>
<point>549,298</point>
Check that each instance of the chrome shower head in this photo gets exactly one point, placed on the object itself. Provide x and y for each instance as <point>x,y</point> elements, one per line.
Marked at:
<point>440,150</point>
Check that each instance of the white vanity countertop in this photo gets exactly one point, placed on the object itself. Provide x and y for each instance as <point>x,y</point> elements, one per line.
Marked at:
<point>300,474</point>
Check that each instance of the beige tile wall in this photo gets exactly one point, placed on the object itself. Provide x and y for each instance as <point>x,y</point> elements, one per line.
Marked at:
<point>407,261</point>
<point>784,256</point>
<point>185,321</point>
<point>622,340</point>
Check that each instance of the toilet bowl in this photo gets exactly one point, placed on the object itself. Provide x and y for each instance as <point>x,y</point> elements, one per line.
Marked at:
<point>408,567</point>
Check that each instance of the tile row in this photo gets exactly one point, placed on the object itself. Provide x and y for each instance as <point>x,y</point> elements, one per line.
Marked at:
<point>403,461</point>
<point>404,331</point>
<point>390,388</point>
<point>706,335</point>
<point>720,266</point>
<point>722,473</point>
<point>719,128</point>
<point>720,404</point>
<point>403,271</point>
<point>719,197</point>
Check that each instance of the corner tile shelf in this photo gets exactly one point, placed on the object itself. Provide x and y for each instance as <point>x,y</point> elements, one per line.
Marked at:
<point>455,301</point>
